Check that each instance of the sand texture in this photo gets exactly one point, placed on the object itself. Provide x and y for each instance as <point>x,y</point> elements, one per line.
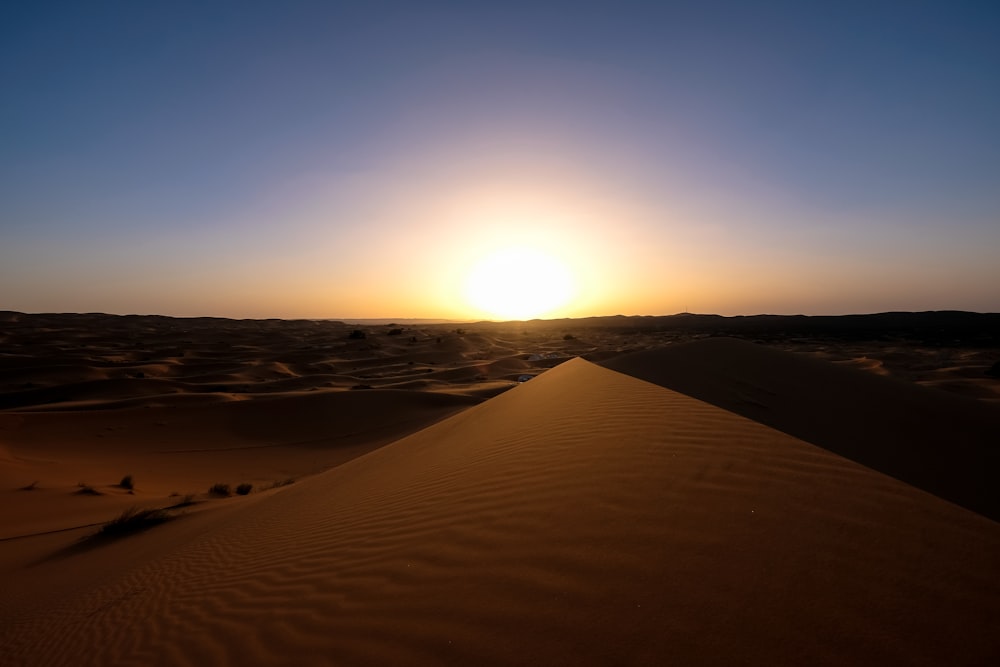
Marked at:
<point>589,516</point>
<point>937,441</point>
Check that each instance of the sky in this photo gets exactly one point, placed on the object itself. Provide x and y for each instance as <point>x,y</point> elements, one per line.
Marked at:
<point>364,159</point>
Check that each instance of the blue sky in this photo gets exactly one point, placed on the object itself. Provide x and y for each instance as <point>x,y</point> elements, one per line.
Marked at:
<point>295,159</point>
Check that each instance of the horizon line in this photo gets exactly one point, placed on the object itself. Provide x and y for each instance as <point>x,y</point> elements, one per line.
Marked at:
<point>444,320</point>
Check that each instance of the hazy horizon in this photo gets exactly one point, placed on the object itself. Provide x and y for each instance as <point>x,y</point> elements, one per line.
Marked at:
<point>468,161</point>
<point>374,321</point>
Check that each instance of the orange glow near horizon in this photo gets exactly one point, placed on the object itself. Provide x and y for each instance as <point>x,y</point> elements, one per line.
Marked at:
<point>539,248</point>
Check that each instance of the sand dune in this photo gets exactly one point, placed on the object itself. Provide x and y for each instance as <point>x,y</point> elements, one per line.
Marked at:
<point>584,518</point>
<point>589,516</point>
<point>940,442</point>
<point>72,362</point>
<point>187,448</point>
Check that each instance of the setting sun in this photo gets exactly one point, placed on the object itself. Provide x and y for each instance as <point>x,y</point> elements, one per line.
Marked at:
<point>519,283</point>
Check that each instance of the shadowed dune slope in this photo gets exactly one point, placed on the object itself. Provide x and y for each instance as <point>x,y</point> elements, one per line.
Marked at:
<point>945,444</point>
<point>583,518</point>
<point>183,448</point>
<point>284,419</point>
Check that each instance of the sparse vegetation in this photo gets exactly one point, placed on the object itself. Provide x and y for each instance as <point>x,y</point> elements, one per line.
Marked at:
<point>127,483</point>
<point>85,489</point>
<point>132,521</point>
<point>569,337</point>
<point>395,332</point>
<point>220,490</point>
<point>279,483</point>
<point>30,487</point>
<point>244,489</point>
<point>357,334</point>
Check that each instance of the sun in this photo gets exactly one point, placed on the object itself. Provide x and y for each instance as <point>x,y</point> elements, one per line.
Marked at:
<point>519,283</point>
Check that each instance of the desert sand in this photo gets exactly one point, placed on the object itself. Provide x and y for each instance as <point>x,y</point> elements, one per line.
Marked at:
<point>647,497</point>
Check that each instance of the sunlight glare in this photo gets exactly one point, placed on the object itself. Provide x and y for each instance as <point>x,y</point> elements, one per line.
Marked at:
<point>519,283</point>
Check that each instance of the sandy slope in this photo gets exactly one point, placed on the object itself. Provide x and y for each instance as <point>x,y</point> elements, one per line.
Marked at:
<point>586,517</point>
<point>187,448</point>
<point>941,442</point>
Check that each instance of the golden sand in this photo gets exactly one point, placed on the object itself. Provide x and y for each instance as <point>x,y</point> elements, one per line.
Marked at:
<point>589,516</point>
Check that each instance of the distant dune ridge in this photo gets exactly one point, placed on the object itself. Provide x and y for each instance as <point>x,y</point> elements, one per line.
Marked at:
<point>709,503</point>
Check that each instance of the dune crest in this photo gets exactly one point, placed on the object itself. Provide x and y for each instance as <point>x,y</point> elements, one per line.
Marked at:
<point>583,518</point>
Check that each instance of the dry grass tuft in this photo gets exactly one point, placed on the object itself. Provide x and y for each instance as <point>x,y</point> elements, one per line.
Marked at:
<point>133,520</point>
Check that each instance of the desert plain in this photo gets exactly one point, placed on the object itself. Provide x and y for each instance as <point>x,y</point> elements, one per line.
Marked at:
<point>687,490</point>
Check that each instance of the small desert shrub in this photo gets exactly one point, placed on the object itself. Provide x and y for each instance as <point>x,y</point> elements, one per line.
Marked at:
<point>244,489</point>
<point>220,490</point>
<point>569,337</point>
<point>357,334</point>
<point>395,332</point>
<point>30,487</point>
<point>133,520</point>
<point>127,483</point>
<point>87,490</point>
